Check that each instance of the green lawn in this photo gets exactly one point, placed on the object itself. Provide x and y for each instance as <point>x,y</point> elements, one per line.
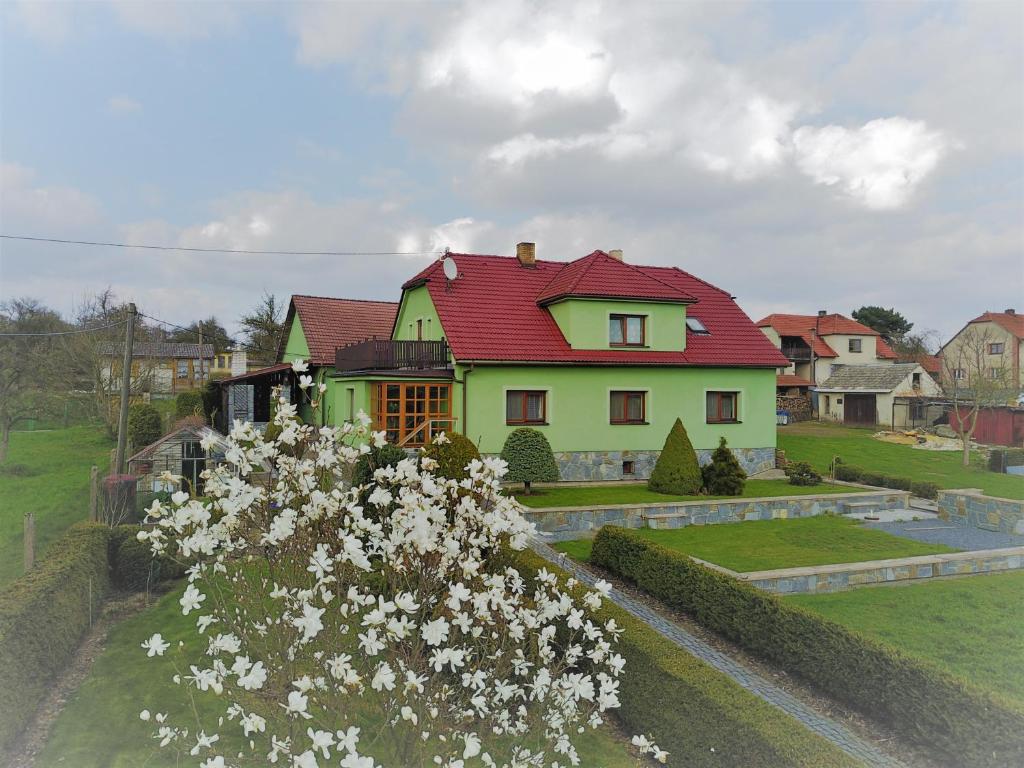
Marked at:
<point>972,626</point>
<point>768,544</point>
<point>625,493</point>
<point>55,485</point>
<point>100,726</point>
<point>819,442</point>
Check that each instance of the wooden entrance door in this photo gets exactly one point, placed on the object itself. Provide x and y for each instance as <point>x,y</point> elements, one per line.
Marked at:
<point>860,409</point>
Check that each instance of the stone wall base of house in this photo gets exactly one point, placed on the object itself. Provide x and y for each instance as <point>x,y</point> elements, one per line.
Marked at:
<point>608,465</point>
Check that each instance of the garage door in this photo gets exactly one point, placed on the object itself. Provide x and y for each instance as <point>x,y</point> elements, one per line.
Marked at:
<point>859,409</point>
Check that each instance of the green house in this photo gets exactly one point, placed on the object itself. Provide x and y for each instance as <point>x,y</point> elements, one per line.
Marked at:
<point>600,355</point>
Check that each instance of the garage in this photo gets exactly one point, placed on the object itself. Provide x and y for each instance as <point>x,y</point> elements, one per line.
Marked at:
<point>860,409</point>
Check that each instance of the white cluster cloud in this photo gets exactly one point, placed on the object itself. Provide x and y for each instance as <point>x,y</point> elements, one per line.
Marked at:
<point>878,164</point>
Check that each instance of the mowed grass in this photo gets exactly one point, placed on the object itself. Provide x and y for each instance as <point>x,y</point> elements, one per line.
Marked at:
<point>768,544</point>
<point>625,493</point>
<point>46,473</point>
<point>819,442</point>
<point>100,726</point>
<point>972,626</point>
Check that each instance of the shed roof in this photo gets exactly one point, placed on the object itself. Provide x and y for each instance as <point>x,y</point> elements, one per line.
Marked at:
<point>873,378</point>
<point>329,323</point>
<point>178,432</point>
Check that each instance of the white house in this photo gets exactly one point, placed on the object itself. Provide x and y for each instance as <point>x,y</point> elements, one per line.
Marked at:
<point>895,395</point>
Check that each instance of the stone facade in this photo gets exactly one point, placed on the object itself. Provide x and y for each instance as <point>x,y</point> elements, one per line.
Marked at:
<point>608,465</point>
<point>584,522</point>
<point>835,578</point>
<point>969,507</point>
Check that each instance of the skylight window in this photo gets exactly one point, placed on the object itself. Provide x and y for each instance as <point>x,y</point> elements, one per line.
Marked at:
<point>696,326</point>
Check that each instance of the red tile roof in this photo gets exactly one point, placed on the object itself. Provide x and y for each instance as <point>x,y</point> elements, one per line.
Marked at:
<point>1009,321</point>
<point>791,380</point>
<point>491,313</point>
<point>598,275</point>
<point>931,363</point>
<point>827,325</point>
<point>331,323</point>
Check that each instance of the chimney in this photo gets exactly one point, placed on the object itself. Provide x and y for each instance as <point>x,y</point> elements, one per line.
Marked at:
<point>1011,311</point>
<point>822,312</point>
<point>616,254</point>
<point>527,254</point>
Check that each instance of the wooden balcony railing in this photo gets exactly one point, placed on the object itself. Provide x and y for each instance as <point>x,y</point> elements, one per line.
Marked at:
<point>799,353</point>
<point>389,355</point>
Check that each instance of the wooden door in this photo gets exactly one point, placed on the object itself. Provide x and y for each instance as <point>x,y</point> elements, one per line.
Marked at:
<point>859,409</point>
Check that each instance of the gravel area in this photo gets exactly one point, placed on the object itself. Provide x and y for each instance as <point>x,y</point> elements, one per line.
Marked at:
<point>952,535</point>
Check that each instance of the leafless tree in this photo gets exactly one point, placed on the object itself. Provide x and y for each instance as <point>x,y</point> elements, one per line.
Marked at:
<point>262,329</point>
<point>975,378</point>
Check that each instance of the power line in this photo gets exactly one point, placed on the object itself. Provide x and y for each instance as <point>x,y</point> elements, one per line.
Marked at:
<point>216,250</point>
<point>64,333</point>
<point>196,331</point>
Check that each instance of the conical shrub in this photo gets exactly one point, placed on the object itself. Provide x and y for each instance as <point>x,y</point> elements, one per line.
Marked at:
<point>677,469</point>
<point>724,476</point>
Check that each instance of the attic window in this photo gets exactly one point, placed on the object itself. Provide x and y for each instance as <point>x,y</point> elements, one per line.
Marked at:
<point>696,326</point>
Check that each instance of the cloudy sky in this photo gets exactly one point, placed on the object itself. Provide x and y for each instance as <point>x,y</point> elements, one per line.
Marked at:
<point>802,155</point>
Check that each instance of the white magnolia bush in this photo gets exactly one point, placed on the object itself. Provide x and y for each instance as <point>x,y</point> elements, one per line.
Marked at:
<point>368,626</point>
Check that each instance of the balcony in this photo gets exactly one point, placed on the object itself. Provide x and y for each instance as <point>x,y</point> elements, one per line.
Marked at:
<point>389,355</point>
<point>797,352</point>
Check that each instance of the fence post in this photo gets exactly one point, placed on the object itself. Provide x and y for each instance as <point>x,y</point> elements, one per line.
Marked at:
<point>94,493</point>
<point>30,540</point>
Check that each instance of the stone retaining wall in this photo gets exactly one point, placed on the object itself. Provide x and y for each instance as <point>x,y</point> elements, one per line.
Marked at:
<point>607,465</point>
<point>584,522</point>
<point>968,507</point>
<point>835,578</point>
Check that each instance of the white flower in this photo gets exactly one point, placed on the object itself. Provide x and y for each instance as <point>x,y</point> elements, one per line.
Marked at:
<point>155,646</point>
<point>383,678</point>
<point>322,387</point>
<point>254,678</point>
<point>144,715</point>
<point>297,704</point>
<point>300,366</point>
<point>191,599</point>
<point>305,382</point>
<point>435,632</point>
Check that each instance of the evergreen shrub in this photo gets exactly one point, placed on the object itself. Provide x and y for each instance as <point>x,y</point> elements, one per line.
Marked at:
<point>144,425</point>
<point>802,473</point>
<point>189,403</point>
<point>724,476</point>
<point>529,457</point>
<point>452,456</point>
<point>677,470</point>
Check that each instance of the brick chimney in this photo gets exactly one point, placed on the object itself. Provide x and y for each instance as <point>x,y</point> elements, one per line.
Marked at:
<point>527,254</point>
<point>616,254</point>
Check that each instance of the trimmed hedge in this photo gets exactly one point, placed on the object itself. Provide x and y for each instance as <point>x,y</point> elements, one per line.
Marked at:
<point>43,616</point>
<point>132,563</point>
<point>692,708</point>
<point>956,722</point>
<point>852,474</point>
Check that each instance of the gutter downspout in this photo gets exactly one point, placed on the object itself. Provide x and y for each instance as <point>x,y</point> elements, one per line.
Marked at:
<point>465,389</point>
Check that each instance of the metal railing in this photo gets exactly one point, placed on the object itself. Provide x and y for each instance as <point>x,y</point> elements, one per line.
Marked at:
<point>391,355</point>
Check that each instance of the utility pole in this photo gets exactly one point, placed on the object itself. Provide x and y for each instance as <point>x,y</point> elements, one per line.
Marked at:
<point>126,386</point>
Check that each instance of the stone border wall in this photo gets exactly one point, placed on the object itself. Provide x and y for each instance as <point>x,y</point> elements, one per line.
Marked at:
<point>821,579</point>
<point>607,465</point>
<point>969,507</point>
<point>561,523</point>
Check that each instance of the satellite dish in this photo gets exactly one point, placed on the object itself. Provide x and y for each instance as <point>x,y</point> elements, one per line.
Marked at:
<point>451,269</point>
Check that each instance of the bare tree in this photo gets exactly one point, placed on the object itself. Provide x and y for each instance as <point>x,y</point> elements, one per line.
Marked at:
<point>30,364</point>
<point>975,377</point>
<point>262,329</point>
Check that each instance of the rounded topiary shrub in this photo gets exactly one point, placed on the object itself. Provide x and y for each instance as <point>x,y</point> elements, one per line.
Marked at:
<point>529,458</point>
<point>724,476</point>
<point>802,473</point>
<point>144,425</point>
<point>189,404</point>
<point>452,455</point>
<point>387,456</point>
<point>677,469</point>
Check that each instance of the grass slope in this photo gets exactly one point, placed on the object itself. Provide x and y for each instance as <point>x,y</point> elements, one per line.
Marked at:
<point>767,544</point>
<point>100,727</point>
<point>619,493</point>
<point>819,442</point>
<point>56,487</point>
<point>971,626</point>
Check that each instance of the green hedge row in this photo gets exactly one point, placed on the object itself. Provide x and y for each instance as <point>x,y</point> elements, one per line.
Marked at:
<point>132,564</point>
<point>43,616</point>
<point>701,716</point>
<point>852,474</point>
<point>959,724</point>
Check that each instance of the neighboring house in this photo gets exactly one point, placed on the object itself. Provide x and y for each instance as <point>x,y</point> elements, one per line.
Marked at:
<point>159,367</point>
<point>599,355</point>
<point>179,452</point>
<point>231,362</point>
<point>897,395</point>
<point>1003,333</point>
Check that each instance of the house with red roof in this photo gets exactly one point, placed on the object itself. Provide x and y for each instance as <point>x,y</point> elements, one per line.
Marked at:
<point>1002,335</point>
<point>600,355</point>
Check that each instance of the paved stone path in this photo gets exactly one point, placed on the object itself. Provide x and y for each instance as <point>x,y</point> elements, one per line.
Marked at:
<point>938,531</point>
<point>747,678</point>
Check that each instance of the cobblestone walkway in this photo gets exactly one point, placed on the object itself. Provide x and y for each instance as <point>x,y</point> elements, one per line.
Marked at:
<point>759,686</point>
